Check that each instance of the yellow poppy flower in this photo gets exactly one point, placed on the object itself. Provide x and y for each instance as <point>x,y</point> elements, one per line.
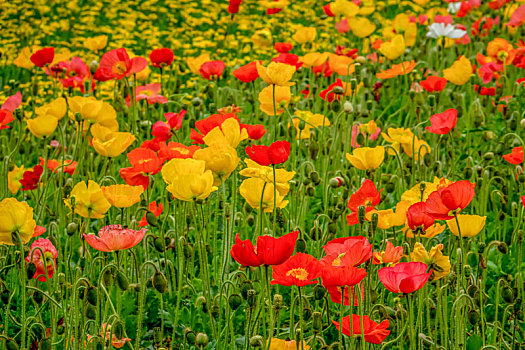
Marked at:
<point>122,196</point>
<point>310,121</point>
<point>42,126</point>
<point>89,200</point>
<point>253,189</point>
<point>314,59</point>
<point>276,73</point>
<point>110,143</point>
<point>460,71</point>
<point>17,217</point>
<point>188,179</point>
<point>282,99</point>
<point>305,35</point>
<point>56,108</point>
<point>361,27</point>
<point>470,225</point>
<point>14,177</point>
<point>394,48</point>
<point>96,43</point>
<point>282,176</point>
<point>229,133</point>
<point>366,158</point>
<point>434,259</point>
<point>220,158</point>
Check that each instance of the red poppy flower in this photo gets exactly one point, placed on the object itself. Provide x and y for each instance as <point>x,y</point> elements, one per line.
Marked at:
<point>39,231</point>
<point>517,18</point>
<point>277,153</point>
<point>404,277</point>
<point>255,132</point>
<point>367,196</point>
<point>373,332</point>
<point>247,73</point>
<point>114,237</point>
<point>339,276</point>
<point>346,51</point>
<point>43,57</point>
<point>143,161</point>
<point>323,69</point>
<point>329,95</point>
<point>485,91</point>
<point>116,64</point>
<point>164,130</point>
<point>233,6</point>
<point>300,270</point>
<point>515,157</point>
<point>283,47</point>
<point>445,202</point>
<point>177,150</point>
<point>347,251</point>
<point>433,84</point>
<point>161,58</point>
<point>523,200</point>
<point>483,26</point>
<point>152,208</point>
<point>269,250</point>
<point>328,11</point>
<point>417,217</point>
<point>31,178</point>
<point>349,292</point>
<point>212,70</point>
<point>43,254</point>
<point>53,165</point>
<point>6,117</point>
<point>443,123</point>
<point>289,59</point>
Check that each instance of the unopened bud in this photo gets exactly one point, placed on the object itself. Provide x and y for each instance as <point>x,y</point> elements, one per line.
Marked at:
<point>201,340</point>
<point>361,212</point>
<point>234,300</point>
<point>71,228</point>
<point>277,301</point>
<point>159,282</point>
<point>300,245</point>
<point>122,281</point>
<point>256,342</point>
<point>93,67</point>
<point>348,107</point>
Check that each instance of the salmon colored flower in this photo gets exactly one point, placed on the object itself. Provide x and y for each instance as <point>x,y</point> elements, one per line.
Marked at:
<point>247,73</point>
<point>299,270</point>
<point>367,196</point>
<point>43,57</point>
<point>106,333</point>
<point>469,225</point>
<point>114,238</point>
<point>43,254</point>
<point>367,158</point>
<point>443,123</point>
<point>277,153</point>
<point>435,259</point>
<point>391,255</point>
<point>155,209</point>
<point>16,217</point>
<point>515,157</point>
<point>373,332</point>
<point>397,69</point>
<point>404,277</point>
<point>268,251</point>
<point>501,51</point>
<point>212,70</point>
<point>122,196</point>
<point>116,64</point>
<point>150,93</point>
<point>433,84</point>
<point>460,71</point>
<point>517,18</point>
<point>444,203</point>
<point>88,200</point>
<point>161,58</point>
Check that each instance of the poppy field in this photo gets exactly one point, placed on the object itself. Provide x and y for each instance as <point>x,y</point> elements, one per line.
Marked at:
<point>267,174</point>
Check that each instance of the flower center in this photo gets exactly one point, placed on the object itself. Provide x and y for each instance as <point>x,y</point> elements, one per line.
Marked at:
<point>120,68</point>
<point>299,273</point>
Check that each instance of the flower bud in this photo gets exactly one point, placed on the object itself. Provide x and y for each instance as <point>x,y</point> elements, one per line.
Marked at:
<point>251,297</point>
<point>336,182</point>
<point>319,292</point>
<point>11,345</point>
<point>503,248</point>
<point>72,228</point>
<point>245,287</point>
<point>432,100</point>
<point>314,176</point>
<point>508,295</point>
<point>122,281</point>
<point>361,212</point>
<point>159,282</point>
<point>91,311</point>
<point>256,342</point>
<point>300,245</point>
<point>93,67</point>
<point>188,251</point>
<point>348,107</point>
<point>159,244</point>
<point>189,334</point>
<point>473,317</point>
<point>91,296</point>
<point>234,300</point>
<point>310,191</point>
<point>277,301</point>
<point>250,220</point>
<point>31,269</point>
<point>317,321</point>
<point>152,219</point>
<point>201,340</point>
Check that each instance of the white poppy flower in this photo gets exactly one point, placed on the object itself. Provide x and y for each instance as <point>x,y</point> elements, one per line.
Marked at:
<point>436,30</point>
<point>453,7</point>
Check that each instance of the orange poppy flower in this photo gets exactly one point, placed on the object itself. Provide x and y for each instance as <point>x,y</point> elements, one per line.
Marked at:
<point>397,69</point>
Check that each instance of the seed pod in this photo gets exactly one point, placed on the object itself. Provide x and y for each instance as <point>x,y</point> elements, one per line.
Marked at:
<point>11,345</point>
<point>251,297</point>
<point>91,296</point>
<point>91,311</point>
<point>319,292</point>
<point>201,340</point>
<point>107,277</point>
<point>122,281</point>
<point>159,245</point>
<point>277,301</point>
<point>234,300</point>
<point>300,245</point>
<point>159,282</point>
